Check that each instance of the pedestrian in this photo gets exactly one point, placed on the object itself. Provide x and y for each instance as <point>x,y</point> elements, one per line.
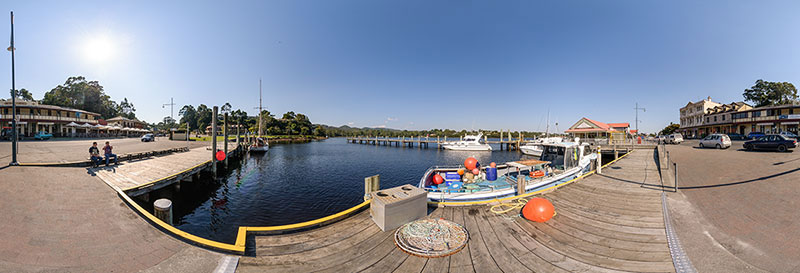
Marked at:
<point>109,154</point>
<point>94,154</point>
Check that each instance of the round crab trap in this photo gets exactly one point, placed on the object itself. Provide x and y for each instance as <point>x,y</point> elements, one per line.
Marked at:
<point>431,238</point>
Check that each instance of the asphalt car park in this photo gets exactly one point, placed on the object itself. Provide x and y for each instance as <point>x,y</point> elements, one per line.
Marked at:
<point>750,197</point>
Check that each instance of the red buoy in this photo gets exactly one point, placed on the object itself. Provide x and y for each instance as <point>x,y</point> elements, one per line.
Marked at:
<point>220,155</point>
<point>470,163</point>
<point>538,210</point>
<point>437,179</point>
<point>476,171</point>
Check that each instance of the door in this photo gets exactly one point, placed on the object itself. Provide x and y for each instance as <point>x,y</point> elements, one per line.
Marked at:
<point>772,142</point>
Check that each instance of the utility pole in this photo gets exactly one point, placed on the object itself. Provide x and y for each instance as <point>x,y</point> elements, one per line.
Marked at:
<point>13,100</point>
<point>637,116</point>
<point>171,110</point>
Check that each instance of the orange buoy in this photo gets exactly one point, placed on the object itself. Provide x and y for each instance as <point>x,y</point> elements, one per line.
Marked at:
<point>460,171</point>
<point>437,179</point>
<point>538,210</point>
<point>470,163</point>
<point>493,165</point>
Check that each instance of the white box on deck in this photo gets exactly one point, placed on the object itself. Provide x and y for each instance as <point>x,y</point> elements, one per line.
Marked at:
<point>391,208</point>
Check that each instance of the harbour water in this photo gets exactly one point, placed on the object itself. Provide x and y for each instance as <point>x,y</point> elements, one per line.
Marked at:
<point>299,182</point>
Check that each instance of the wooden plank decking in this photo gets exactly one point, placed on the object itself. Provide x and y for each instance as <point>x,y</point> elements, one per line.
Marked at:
<point>136,173</point>
<point>605,223</point>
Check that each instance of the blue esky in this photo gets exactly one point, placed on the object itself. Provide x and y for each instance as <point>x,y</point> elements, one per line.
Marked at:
<point>412,64</point>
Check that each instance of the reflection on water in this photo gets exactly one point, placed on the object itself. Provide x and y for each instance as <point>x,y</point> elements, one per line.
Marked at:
<point>299,182</point>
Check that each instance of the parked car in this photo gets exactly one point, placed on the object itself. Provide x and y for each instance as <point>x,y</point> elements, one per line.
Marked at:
<point>674,139</point>
<point>719,141</point>
<point>772,142</point>
<point>737,136</point>
<point>42,135</point>
<point>148,138</point>
<point>755,135</point>
<point>789,135</point>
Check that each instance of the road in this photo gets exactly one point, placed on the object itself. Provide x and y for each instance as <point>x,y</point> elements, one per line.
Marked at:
<point>749,199</point>
<point>31,151</point>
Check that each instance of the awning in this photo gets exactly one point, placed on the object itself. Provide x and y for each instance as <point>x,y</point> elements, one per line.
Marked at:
<point>764,124</point>
<point>790,123</point>
<point>86,125</point>
<point>45,123</point>
<point>72,124</point>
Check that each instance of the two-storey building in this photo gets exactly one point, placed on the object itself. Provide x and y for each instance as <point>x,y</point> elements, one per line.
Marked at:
<point>692,117</point>
<point>33,117</point>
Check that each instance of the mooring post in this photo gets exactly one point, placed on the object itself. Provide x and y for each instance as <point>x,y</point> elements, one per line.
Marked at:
<point>599,161</point>
<point>214,141</point>
<point>520,184</point>
<point>162,209</point>
<point>675,167</point>
<point>225,136</point>
<point>371,183</point>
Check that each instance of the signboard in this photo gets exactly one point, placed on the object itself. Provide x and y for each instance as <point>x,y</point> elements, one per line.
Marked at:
<point>795,116</point>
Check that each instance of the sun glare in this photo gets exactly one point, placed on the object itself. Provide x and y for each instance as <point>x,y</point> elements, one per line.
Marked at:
<point>99,49</point>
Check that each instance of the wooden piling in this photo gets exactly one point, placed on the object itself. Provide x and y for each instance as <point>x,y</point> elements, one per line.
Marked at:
<point>225,136</point>
<point>214,141</point>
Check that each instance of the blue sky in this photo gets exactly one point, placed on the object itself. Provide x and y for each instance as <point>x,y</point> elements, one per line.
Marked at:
<point>412,64</point>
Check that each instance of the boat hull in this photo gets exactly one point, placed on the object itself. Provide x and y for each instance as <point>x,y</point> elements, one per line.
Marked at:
<point>484,147</point>
<point>261,149</point>
<point>531,151</point>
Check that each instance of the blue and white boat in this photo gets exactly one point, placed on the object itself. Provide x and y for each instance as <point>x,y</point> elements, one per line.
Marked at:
<point>559,162</point>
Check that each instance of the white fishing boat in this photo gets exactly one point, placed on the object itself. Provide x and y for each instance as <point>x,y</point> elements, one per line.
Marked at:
<point>559,163</point>
<point>260,144</point>
<point>535,148</point>
<point>468,143</point>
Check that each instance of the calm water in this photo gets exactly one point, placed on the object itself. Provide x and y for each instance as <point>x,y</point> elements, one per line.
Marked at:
<point>299,182</point>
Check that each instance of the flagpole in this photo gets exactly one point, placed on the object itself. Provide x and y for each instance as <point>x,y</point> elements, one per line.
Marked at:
<point>13,99</point>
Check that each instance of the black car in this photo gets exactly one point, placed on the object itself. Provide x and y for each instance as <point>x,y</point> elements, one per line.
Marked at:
<point>737,136</point>
<point>776,142</point>
<point>755,135</point>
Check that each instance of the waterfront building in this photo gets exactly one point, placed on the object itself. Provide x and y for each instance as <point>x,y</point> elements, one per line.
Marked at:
<point>126,122</point>
<point>737,118</point>
<point>587,129</point>
<point>33,117</point>
<point>692,116</point>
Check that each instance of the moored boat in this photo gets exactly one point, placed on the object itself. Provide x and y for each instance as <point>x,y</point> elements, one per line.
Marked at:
<point>559,163</point>
<point>535,148</point>
<point>260,145</point>
<point>469,143</point>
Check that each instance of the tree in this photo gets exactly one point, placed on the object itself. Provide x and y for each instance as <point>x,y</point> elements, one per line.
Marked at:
<point>188,115</point>
<point>204,115</point>
<point>24,94</point>
<point>226,108</point>
<point>670,129</point>
<point>765,93</point>
<point>79,93</point>
<point>126,109</point>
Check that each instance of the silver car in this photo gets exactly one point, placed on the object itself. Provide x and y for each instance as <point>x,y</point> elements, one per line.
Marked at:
<point>719,141</point>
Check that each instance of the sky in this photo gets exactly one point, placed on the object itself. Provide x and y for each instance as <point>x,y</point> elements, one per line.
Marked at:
<point>411,64</point>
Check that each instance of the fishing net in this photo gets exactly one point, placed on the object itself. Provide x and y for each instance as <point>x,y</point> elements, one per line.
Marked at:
<point>431,238</point>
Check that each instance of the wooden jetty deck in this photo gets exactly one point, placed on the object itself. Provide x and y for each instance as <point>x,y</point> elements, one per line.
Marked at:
<point>424,142</point>
<point>147,174</point>
<point>605,223</point>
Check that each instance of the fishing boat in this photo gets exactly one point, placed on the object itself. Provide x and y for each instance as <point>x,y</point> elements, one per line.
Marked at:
<point>260,144</point>
<point>468,143</point>
<point>535,148</point>
<point>559,163</point>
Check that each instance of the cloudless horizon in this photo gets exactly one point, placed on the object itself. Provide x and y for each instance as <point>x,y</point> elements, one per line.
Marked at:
<point>411,64</point>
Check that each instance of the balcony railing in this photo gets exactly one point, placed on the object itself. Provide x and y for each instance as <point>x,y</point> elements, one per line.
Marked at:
<point>50,118</point>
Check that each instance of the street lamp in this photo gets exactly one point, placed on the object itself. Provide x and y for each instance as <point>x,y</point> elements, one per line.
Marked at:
<point>13,99</point>
<point>637,108</point>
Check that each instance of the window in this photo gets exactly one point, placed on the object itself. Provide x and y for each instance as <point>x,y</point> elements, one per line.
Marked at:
<point>739,115</point>
<point>715,118</point>
<point>756,114</point>
<point>707,119</point>
<point>723,117</point>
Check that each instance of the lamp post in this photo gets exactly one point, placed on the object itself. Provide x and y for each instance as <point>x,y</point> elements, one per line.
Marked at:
<point>637,108</point>
<point>171,110</point>
<point>13,100</point>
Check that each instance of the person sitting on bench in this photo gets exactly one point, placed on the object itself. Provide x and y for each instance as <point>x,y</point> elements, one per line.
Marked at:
<point>109,154</point>
<point>94,154</point>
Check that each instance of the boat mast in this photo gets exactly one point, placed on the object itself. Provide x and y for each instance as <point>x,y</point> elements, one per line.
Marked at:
<point>547,128</point>
<point>259,108</point>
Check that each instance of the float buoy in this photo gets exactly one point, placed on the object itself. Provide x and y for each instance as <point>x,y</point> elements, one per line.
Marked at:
<point>470,163</point>
<point>538,210</point>
<point>220,155</point>
<point>493,165</point>
<point>437,179</point>
<point>460,171</point>
<point>476,171</point>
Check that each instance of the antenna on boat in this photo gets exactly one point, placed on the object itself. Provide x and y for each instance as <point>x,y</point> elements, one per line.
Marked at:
<point>260,109</point>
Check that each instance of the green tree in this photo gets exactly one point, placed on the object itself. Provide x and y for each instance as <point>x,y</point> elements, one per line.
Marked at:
<point>765,93</point>
<point>24,94</point>
<point>670,129</point>
<point>79,93</point>
<point>126,109</point>
<point>204,116</point>
<point>188,115</point>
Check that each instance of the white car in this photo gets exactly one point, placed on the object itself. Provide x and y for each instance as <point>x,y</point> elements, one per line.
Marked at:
<point>674,139</point>
<point>719,141</point>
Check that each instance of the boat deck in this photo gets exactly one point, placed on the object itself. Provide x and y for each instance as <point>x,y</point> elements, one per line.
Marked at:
<point>605,223</point>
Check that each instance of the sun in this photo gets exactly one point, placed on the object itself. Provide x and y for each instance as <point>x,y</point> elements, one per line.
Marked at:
<point>99,49</point>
